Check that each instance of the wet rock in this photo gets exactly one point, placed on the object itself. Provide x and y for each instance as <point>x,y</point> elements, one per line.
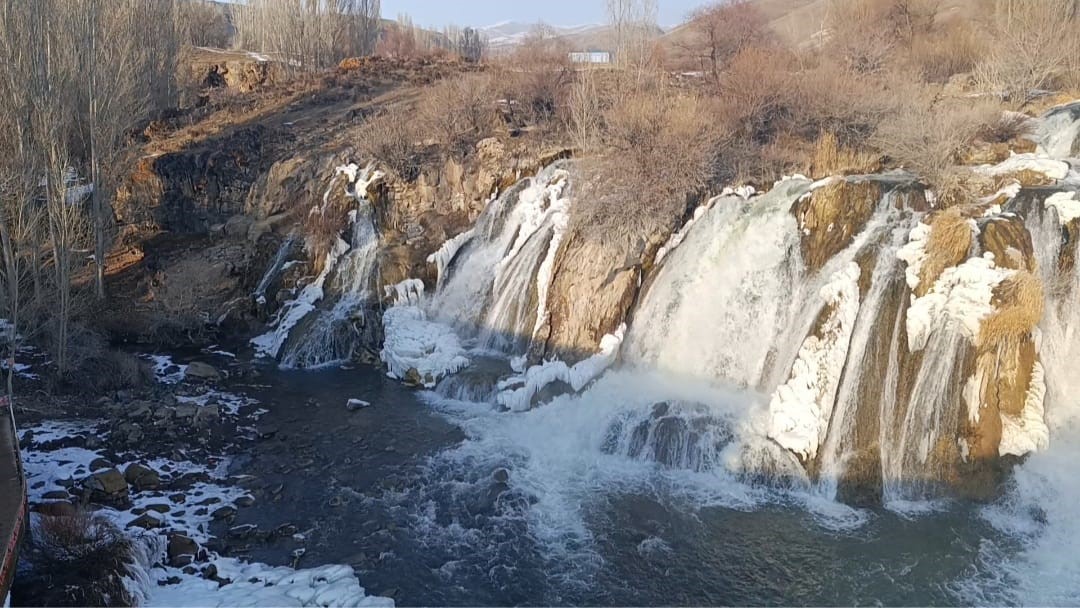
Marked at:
<point>197,370</point>
<point>500,475</point>
<point>181,550</point>
<point>107,486</point>
<point>207,415</point>
<point>225,512</point>
<point>142,477</point>
<point>186,412</point>
<point>244,501</point>
<point>238,226</point>
<point>158,508</point>
<point>188,480</point>
<point>151,520</point>
<point>285,530</point>
<point>266,430</point>
<point>140,411</point>
<point>248,482</point>
<point>243,531</point>
<point>56,495</point>
<point>413,378</point>
<point>177,498</point>
<point>55,509</point>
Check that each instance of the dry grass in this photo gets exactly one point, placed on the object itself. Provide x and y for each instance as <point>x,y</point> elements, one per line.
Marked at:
<point>78,560</point>
<point>833,158</point>
<point>949,244</point>
<point>1018,303</point>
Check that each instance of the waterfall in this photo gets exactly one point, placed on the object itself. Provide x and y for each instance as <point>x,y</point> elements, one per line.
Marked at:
<point>677,434</point>
<point>323,324</point>
<point>333,335</point>
<point>493,279</point>
<point>273,272</point>
<point>711,310</point>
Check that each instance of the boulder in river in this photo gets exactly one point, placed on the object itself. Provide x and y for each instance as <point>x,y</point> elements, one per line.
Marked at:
<point>181,550</point>
<point>197,370</point>
<point>142,477</point>
<point>107,486</point>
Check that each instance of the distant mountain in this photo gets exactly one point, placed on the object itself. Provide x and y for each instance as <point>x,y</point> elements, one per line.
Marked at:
<point>508,34</point>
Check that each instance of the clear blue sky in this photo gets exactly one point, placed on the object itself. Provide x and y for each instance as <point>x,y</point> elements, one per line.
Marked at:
<point>554,12</point>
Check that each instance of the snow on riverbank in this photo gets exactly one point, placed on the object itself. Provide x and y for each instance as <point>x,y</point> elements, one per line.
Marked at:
<point>186,496</point>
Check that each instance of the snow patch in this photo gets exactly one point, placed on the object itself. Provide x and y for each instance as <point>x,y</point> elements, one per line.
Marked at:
<point>961,294</point>
<point>914,253</point>
<point>800,409</point>
<point>1027,432</point>
<point>165,370</point>
<point>517,392</point>
<point>446,253</point>
<point>412,342</point>
<point>262,585</point>
<point>1037,163</point>
<point>1067,205</point>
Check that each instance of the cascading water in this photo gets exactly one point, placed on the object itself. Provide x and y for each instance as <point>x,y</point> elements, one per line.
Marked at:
<point>492,286</point>
<point>322,325</point>
<point>516,237</point>
<point>710,311</point>
<point>273,272</point>
<point>861,377</point>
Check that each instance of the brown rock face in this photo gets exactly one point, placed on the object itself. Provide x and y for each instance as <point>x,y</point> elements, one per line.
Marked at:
<point>1010,242</point>
<point>595,284</point>
<point>832,216</point>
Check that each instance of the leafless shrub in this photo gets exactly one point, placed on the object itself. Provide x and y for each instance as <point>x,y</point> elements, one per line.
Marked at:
<point>1034,44</point>
<point>67,551</point>
<point>391,138</point>
<point>533,79</point>
<point>659,149</point>
<point>929,138</point>
<point>955,48</point>
<point>457,111</point>
<point>865,34</point>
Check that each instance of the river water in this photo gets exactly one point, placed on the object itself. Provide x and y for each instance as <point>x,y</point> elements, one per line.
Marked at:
<point>441,502</point>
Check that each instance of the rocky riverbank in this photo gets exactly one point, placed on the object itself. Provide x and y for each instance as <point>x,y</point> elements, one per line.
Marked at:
<point>157,464</point>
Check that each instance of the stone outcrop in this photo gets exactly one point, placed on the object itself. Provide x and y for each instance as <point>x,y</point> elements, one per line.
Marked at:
<point>831,217</point>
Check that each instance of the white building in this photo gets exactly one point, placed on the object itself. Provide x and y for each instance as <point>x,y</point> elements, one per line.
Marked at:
<point>590,57</point>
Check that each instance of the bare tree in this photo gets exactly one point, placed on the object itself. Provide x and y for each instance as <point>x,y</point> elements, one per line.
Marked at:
<point>1034,44</point>
<point>115,102</point>
<point>634,27</point>
<point>717,32</point>
<point>313,34</point>
<point>584,111</point>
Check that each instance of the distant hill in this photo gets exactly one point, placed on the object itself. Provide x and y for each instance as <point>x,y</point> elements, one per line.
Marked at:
<point>505,35</point>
